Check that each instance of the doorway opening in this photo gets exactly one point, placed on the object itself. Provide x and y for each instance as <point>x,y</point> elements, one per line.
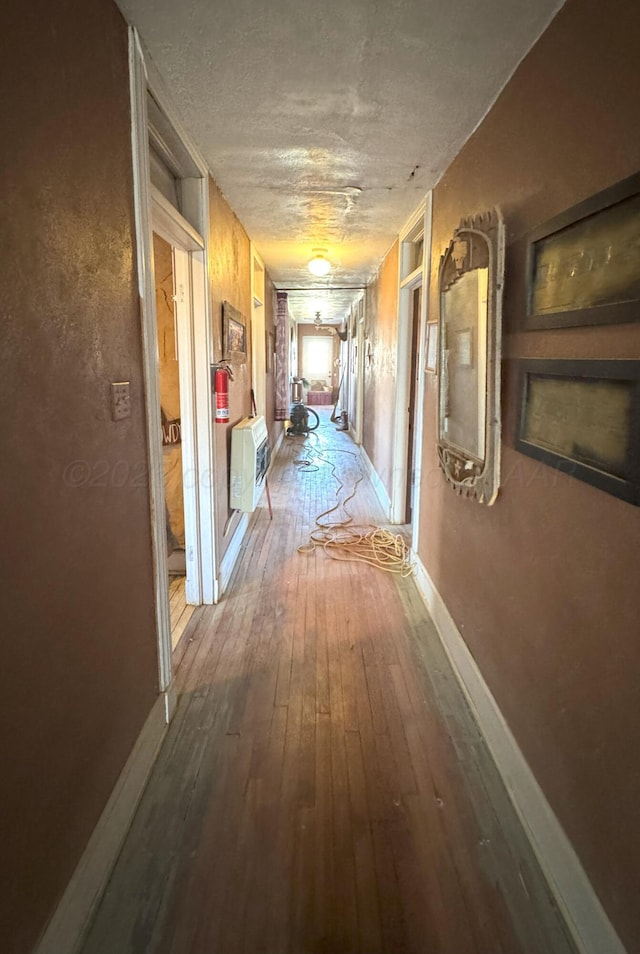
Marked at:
<point>415,243</point>
<point>317,363</point>
<point>171,200</point>
<point>353,370</point>
<point>173,463</point>
<point>414,318</point>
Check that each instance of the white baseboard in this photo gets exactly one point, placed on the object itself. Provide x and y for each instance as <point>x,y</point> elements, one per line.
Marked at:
<point>586,919</point>
<point>67,928</point>
<point>378,486</point>
<point>229,559</point>
<point>277,446</point>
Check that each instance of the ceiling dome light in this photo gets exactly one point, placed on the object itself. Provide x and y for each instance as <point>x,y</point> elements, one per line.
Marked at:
<point>319,265</point>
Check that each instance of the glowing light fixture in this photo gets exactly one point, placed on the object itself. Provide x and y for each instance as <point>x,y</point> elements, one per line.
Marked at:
<point>319,265</point>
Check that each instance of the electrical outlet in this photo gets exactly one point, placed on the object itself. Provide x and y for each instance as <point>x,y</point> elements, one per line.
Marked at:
<point>120,400</point>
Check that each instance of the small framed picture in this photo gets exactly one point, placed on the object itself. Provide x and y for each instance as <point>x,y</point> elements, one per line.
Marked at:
<point>234,333</point>
<point>431,363</point>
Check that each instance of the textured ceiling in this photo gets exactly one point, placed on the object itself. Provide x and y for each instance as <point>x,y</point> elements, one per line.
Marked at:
<point>326,124</point>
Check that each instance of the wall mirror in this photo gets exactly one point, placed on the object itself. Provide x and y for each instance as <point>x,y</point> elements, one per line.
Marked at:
<point>470,290</point>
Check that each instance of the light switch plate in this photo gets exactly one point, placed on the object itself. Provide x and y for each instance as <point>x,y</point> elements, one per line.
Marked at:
<point>120,400</point>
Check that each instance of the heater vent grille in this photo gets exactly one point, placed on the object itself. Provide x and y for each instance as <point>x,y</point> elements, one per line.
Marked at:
<point>250,458</point>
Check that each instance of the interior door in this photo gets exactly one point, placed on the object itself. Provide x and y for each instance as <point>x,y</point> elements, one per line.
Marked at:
<point>416,304</point>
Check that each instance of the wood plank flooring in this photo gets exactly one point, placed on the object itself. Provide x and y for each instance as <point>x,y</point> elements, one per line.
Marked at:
<point>323,788</point>
<point>180,611</point>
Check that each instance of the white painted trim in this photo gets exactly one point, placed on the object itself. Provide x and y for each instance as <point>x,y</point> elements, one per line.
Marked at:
<point>228,563</point>
<point>147,294</point>
<point>359,422</point>
<point>205,444</point>
<point>378,486</point>
<point>69,924</point>
<point>157,85</point>
<point>184,311</point>
<point>406,286</point>
<point>200,468</point>
<point>586,919</point>
<point>402,410</point>
<point>196,345</point>
<point>172,226</point>
<point>422,352</point>
<point>413,278</point>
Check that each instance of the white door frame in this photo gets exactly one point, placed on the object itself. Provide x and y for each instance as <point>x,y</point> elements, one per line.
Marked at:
<point>152,212</point>
<point>408,281</point>
<point>258,343</point>
<point>356,384</point>
<point>360,318</point>
<point>169,225</point>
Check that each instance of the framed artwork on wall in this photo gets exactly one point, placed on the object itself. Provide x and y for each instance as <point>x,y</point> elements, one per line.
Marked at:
<point>234,333</point>
<point>583,418</point>
<point>431,362</point>
<point>583,266</point>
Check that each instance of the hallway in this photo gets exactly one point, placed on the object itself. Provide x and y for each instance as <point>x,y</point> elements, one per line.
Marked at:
<point>322,788</point>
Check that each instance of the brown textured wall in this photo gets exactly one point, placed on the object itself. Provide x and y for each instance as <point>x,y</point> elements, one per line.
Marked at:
<point>544,585</point>
<point>79,659</point>
<point>229,280</point>
<point>381,330</point>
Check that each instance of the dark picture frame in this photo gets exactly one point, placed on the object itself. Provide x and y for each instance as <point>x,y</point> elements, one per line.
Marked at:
<point>583,418</point>
<point>583,266</point>
<point>234,333</point>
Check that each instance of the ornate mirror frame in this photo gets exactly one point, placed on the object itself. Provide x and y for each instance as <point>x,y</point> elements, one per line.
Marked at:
<point>470,283</point>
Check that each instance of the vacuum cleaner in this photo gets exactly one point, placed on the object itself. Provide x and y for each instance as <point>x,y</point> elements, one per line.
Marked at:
<point>302,419</point>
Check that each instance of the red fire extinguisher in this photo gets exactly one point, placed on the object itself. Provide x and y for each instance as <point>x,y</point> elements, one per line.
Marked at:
<point>221,388</point>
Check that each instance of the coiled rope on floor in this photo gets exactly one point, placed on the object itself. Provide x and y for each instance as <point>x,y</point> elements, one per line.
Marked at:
<point>346,541</point>
<point>373,545</point>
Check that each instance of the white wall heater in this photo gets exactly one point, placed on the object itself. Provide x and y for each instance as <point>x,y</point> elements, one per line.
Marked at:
<point>250,456</point>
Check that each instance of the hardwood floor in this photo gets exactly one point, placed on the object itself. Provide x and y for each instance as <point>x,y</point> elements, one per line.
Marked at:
<point>323,788</point>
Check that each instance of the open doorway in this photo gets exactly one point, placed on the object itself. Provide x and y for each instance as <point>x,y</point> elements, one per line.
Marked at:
<point>414,318</point>
<point>171,200</point>
<point>317,367</point>
<point>415,243</point>
<point>354,372</point>
<point>172,456</point>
